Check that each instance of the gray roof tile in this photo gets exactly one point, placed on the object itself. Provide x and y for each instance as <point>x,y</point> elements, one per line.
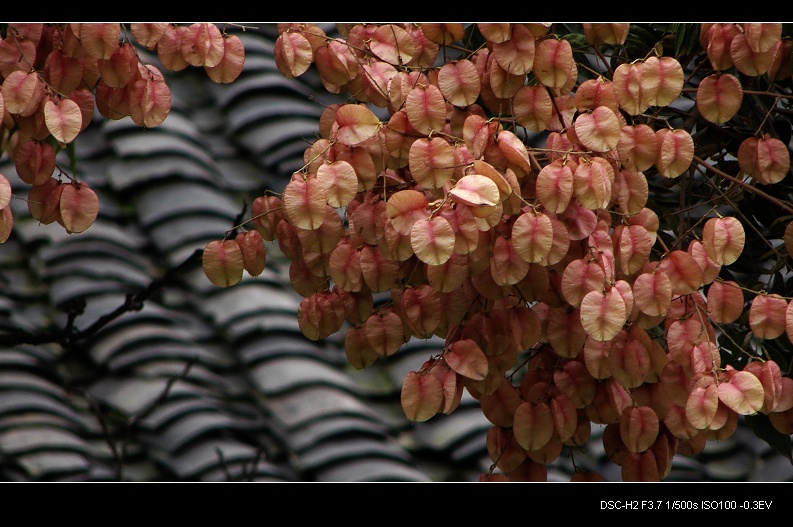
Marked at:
<point>368,469</point>
<point>306,405</point>
<point>276,376</point>
<point>49,465</point>
<point>211,456</point>
<point>21,441</point>
<point>192,427</point>
<point>176,198</point>
<point>339,428</point>
<point>24,401</point>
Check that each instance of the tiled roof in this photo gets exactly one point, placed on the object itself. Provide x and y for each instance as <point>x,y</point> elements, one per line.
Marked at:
<point>198,383</point>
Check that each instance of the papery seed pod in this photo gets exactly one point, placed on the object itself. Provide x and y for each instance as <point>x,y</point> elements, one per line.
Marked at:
<point>532,107</point>
<point>719,97</point>
<point>516,54</point>
<point>742,392</point>
<point>253,253</point>
<point>202,45</point>
<point>639,427</point>
<point>553,62</point>
<point>675,152</point>
<point>100,40</point>
<point>716,40</point>
<point>303,201</point>
<point>767,315</point>
<point>635,86</point>
<point>222,262</point>
<point>603,314</point>
<point>357,349</point>
<point>598,33</point>
<point>426,109</point>
<point>421,396</point>
<point>725,301</point>
<point>747,60</point>
<point>169,48</point>
<point>459,83</point>
<point>533,425</point>
<point>6,223</point>
<point>78,207</point>
<point>599,130</point>
<point>652,293</point>
<point>637,147</point>
<point>554,186</point>
<point>670,79</point>
<point>293,54</point>
<point>723,239</point>
<point>431,162</point>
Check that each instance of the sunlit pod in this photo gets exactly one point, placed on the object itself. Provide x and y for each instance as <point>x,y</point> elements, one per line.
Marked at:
<point>742,392</point>
<point>553,62</point>
<point>767,315</point>
<point>747,57</point>
<point>725,301</point>
<point>723,239</point>
<point>223,262</point>
<point>719,97</point>
<point>421,396</point>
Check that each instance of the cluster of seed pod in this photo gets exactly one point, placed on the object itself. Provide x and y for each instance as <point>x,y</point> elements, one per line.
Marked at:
<point>542,269</point>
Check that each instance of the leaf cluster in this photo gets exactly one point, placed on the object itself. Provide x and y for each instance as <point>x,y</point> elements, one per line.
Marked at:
<point>594,217</point>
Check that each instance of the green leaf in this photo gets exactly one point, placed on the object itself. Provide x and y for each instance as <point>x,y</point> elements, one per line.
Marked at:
<point>577,41</point>
<point>641,40</point>
<point>686,38</point>
<point>473,38</point>
<point>762,428</point>
<point>733,342</point>
<point>778,350</point>
<point>580,48</point>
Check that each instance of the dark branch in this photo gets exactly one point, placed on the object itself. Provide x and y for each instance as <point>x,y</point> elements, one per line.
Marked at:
<point>68,335</point>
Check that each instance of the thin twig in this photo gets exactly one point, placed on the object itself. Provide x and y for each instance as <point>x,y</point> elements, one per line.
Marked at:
<point>779,203</point>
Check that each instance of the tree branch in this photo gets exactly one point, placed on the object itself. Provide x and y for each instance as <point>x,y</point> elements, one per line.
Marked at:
<point>68,335</point>
<point>779,203</point>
